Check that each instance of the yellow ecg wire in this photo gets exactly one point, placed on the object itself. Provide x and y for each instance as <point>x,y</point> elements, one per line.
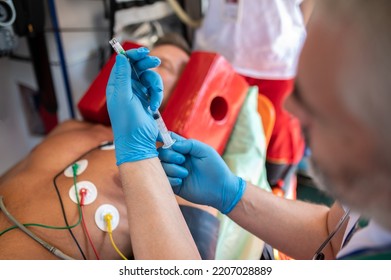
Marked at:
<point>108,218</point>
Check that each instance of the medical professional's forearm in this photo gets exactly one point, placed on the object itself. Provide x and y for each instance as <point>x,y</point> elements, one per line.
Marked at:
<point>294,227</point>
<point>157,227</point>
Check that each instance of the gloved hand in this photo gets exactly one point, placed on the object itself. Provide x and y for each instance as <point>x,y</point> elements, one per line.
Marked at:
<point>135,131</point>
<point>197,173</point>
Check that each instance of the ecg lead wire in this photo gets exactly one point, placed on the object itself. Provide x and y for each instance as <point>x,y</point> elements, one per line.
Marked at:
<point>43,243</point>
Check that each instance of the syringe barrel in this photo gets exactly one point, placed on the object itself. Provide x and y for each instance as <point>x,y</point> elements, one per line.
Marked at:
<point>164,133</point>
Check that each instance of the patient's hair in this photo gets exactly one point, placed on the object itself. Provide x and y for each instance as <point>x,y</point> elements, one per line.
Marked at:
<point>173,39</point>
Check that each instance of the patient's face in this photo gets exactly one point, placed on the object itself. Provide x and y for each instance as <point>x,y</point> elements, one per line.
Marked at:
<point>173,61</point>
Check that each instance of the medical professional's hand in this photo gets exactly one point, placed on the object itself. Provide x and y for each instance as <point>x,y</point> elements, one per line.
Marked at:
<point>197,173</point>
<point>134,128</point>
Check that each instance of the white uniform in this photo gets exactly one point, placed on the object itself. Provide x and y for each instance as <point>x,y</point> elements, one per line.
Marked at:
<point>261,38</point>
<point>370,238</point>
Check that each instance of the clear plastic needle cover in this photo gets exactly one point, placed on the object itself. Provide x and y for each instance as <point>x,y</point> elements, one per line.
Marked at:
<point>117,46</point>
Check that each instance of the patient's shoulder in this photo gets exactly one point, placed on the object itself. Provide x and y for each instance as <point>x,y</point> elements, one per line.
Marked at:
<point>65,143</point>
<point>76,125</point>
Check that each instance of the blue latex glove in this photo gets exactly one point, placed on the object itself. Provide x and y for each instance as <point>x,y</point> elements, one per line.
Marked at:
<point>198,174</point>
<point>135,131</point>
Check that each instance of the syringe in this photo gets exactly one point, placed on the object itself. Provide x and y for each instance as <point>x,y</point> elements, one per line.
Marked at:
<point>164,133</point>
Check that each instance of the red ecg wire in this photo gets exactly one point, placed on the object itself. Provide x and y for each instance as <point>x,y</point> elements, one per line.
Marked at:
<point>83,193</point>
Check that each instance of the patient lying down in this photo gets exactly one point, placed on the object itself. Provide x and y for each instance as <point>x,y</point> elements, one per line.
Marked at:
<point>36,192</point>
